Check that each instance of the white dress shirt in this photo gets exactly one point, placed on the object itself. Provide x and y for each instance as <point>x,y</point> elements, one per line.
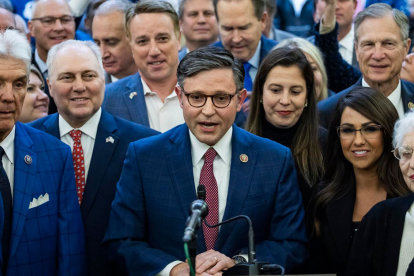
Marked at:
<point>297,6</point>
<point>113,79</point>
<point>346,46</point>
<point>42,65</point>
<point>407,243</point>
<point>394,97</point>
<point>221,170</point>
<point>88,137</point>
<point>165,115</point>
<point>255,62</point>
<point>8,157</point>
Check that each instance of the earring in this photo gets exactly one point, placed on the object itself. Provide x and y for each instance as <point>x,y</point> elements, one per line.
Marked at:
<point>261,100</point>
<point>306,104</point>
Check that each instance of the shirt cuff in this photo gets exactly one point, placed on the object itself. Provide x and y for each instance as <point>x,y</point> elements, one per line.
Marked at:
<point>324,29</point>
<point>166,271</point>
<point>245,256</point>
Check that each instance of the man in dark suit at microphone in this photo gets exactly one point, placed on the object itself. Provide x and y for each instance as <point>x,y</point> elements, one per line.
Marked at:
<point>243,175</point>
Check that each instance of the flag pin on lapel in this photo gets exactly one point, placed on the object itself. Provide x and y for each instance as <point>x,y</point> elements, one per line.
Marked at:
<point>132,94</point>
<point>110,140</point>
<point>28,159</point>
<point>244,158</point>
<point>410,105</point>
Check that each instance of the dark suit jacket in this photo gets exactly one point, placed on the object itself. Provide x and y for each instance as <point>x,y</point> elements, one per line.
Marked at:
<point>52,105</point>
<point>121,103</point>
<point>47,239</point>
<point>104,172</point>
<point>376,247</point>
<point>327,107</point>
<point>156,188</point>
<point>267,46</point>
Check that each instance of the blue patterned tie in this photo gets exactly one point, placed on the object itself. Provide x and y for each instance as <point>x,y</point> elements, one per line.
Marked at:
<point>8,212</point>
<point>248,84</point>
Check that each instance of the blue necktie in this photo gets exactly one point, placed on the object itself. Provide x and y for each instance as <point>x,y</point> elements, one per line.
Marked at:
<point>248,84</point>
<point>8,212</point>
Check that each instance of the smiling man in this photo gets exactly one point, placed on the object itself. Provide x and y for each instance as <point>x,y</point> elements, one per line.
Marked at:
<point>98,140</point>
<point>51,23</point>
<point>108,32</point>
<point>381,44</point>
<point>243,175</point>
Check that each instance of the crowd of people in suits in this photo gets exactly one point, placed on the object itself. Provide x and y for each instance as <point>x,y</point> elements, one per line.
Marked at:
<point>297,114</point>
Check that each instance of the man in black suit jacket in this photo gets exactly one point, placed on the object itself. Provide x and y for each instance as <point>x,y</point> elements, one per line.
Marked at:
<point>381,45</point>
<point>76,81</point>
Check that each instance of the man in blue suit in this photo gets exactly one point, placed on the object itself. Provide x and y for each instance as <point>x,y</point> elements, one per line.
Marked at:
<point>380,53</point>
<point>76,80</point>
<point>241,24</point>
<point>243,175</point>
<point>43,232</point>
<point>148,97</point>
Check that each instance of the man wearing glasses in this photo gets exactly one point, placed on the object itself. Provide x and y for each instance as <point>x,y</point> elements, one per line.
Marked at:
<point>51,24</point>
<point>243,175</point>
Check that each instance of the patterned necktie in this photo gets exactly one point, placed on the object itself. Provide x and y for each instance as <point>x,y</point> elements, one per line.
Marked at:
<point>209,181</point>
<point>8,212</point>
<point>248,83</point>
<point>78,163</point>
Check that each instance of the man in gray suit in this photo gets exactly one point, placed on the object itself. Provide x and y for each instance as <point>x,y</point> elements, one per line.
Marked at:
<point>270,30</point>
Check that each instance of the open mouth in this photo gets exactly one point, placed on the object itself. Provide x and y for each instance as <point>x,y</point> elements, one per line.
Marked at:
<point>208,125</point>
<point>79,99</point>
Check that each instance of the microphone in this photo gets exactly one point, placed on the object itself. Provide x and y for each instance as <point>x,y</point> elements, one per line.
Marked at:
<point>201,192</point>
<point>198,211</point>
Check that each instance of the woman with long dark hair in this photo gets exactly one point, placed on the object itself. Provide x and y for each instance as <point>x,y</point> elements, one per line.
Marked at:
<point>361,171</point>
<point>283,109</point>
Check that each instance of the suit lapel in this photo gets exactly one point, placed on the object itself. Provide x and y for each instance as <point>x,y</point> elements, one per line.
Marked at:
<point>101,158</point>
<point>178,154</point>
<point>135,101</point>
<point>241,174</point>
<point>51,125</point>
<point>339,213</point>
<point>24,179</point>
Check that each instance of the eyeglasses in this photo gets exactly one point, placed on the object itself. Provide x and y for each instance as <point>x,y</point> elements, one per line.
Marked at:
<point>403,153</point>
<point>349,133</point>
<point>49,21</point>
<point>199,100</point>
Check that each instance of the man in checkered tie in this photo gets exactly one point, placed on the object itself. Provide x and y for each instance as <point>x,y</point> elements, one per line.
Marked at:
<point>242,173</point>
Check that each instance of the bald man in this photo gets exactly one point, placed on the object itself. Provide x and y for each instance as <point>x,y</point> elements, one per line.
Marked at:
<point>6,20</point>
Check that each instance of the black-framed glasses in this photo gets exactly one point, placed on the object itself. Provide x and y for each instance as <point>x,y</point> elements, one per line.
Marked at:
<point>199,100</point>
<point>49,21</point>
<point>349,133</point>
<point>403,153</point>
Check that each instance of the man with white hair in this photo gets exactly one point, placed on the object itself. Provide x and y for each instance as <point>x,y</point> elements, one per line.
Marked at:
<point>43,233</point>
<point>109,33</point>
<point>98,140</point>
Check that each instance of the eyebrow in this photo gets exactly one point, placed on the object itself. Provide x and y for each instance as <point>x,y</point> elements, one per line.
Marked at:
<point>364,124</point>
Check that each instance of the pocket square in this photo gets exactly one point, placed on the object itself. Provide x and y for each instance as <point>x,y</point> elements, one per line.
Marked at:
<point>37,202</point>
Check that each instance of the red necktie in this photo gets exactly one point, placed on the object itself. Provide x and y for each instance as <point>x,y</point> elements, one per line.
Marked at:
<point>209,181</point>
<point>78,163</point>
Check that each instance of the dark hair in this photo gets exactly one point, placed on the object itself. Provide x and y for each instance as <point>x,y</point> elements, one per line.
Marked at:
<point>152,6</point>
<point>305,145</point>
<point>258,6</point>
<point>208,58</point>
<point>340,177</point>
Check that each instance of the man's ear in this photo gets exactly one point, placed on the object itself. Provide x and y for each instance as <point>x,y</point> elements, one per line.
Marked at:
<point>31,28</point>
<point>50,87</point>
<point>179,95</point>
<point>240,100</point>
<point>263,20</point>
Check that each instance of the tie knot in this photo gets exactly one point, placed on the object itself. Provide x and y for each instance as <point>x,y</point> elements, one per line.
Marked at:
<point>75,134</point>
<point>247,67</point>
<point>210,155</point>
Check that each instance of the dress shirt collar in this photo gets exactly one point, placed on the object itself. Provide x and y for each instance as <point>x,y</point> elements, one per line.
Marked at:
<point>42,65</point>
<point>8,145</point>
<point>113,79</point>
<point>147,90</point>
<point>348,41</point>
<point>222,147</point>
<point>394,97</point>
<point>255,60</point>
<point>89,128</point>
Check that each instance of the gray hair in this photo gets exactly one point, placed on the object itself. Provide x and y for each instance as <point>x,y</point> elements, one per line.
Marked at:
<point>14,45</point>
<point>402,127</point>
<point>109,7</point>
<point>380,10</point>
<point>208,58</point>
<point>74,43</point>
<point>306,47</point>
<point>7,5</point>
